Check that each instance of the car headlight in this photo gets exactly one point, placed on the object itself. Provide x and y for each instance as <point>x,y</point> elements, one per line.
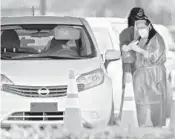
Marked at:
<point>90,79</point>
<point>5,81</point>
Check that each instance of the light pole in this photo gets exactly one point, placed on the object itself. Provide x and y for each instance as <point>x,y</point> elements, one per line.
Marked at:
<point>42,7</point>
<point>33,10</point>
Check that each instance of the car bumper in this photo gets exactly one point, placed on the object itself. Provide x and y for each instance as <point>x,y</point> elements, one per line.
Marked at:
<point>95,106</point>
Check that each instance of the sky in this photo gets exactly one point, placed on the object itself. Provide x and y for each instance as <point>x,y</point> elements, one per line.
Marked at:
<point>157,5</point>
<point>61,5</point>
<point>76,6</point>
<point>18,3</point>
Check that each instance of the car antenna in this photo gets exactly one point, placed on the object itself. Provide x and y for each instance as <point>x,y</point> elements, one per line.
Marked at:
<point>33,10</point>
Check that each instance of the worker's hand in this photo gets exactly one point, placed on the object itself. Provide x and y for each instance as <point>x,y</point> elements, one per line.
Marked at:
<point>133,44</point>
<point>126,48</point>
<point>146,54</point>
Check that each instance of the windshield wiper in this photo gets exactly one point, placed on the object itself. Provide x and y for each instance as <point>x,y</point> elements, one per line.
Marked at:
<point>5,57</point>
<point>45,56</point>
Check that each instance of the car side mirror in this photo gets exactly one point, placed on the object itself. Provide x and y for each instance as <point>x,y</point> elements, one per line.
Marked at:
<point>111,55</point>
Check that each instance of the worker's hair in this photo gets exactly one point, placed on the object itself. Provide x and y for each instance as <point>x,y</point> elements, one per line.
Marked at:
<point>132,16</point>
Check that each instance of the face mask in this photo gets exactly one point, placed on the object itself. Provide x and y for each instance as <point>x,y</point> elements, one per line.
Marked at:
<point>143,33</point>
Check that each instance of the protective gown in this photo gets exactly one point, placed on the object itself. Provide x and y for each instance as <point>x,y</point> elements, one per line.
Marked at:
<point>149,82</point>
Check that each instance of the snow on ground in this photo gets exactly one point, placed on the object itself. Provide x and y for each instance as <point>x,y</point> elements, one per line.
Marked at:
<point>58,132</point>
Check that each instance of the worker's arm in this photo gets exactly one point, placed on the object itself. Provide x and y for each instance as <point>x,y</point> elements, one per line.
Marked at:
<point>138,49</point>
<point>134,46</point>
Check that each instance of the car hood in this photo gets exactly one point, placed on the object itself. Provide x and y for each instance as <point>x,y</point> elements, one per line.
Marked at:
<point>45,72</point>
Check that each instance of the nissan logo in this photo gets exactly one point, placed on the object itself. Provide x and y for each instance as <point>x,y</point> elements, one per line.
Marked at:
<point>43,91</point>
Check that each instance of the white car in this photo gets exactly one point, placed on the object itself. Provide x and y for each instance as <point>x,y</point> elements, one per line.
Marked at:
<point>107,31</point>
<point>37,53</point>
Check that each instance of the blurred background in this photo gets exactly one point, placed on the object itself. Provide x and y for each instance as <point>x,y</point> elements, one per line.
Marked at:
<point>159,11</point>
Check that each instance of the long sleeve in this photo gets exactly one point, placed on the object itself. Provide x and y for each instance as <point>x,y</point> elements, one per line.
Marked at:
<point>157,50</point>
<point>127,37</point>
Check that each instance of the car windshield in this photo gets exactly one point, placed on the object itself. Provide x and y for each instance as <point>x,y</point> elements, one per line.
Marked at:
<point>103,38</point>
<point>45,42</point>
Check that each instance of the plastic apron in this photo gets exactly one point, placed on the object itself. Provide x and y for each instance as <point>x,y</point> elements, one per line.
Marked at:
<point>149,82</point>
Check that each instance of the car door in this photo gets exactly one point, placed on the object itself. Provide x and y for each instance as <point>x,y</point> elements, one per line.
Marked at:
<point>107,40</point>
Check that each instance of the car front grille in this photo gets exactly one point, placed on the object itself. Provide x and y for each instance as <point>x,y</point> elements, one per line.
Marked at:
<point>33,91</point>
<point>36,116</point>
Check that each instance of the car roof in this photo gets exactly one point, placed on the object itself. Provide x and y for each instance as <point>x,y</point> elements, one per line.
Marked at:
<point>40,20</point>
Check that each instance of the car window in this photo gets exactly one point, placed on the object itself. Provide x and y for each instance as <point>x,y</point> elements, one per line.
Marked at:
<point>103,38</point>
<point>52,40</point>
